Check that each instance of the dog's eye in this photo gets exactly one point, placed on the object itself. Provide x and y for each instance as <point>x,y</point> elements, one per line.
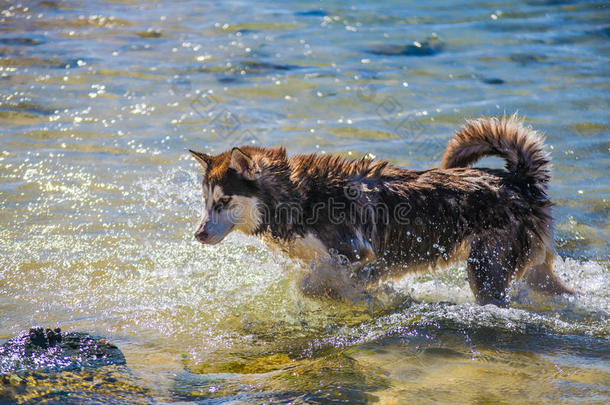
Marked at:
<point>222,203</point>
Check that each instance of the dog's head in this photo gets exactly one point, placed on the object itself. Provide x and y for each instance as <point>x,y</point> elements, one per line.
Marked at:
<point>232,190</point>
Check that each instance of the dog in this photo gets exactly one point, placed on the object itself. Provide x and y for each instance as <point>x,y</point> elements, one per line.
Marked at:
<point>385,221</point>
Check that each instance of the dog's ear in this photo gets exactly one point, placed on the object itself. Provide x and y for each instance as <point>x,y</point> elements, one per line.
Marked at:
<point>203,159</point>
<point>244,164</point>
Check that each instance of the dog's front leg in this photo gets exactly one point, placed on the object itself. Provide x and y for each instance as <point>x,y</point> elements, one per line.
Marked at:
<point>338,280</point>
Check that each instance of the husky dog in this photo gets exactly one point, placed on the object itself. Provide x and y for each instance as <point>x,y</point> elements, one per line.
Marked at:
<point>386,221</point>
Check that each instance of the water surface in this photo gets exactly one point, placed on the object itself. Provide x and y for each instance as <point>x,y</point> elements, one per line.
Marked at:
<point>99,199</point>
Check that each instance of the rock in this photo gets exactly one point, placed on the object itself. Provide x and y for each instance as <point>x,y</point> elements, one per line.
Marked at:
<point>20,41</point>
<point>416,49</point>
<point>150,33</point>
<point>251,66</point>
<point>492,80</point>
<point>54,367</point>
<point>526,58</point>
<point>311,13</point>
<point>49,350</point>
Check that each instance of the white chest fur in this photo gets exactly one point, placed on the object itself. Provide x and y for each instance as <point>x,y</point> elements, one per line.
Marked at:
<point>307,248</point>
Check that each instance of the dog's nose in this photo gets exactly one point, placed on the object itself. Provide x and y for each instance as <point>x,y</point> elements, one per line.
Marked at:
<point>201,235</point>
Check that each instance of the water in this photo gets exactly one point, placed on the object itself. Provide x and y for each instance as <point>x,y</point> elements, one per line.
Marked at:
<point>99,198</point>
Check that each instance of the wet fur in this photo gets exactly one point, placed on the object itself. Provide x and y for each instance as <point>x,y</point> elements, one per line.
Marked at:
<point>399,220</point>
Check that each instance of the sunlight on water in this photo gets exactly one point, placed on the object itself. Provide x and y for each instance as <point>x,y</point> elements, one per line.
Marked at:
<point>99,198</point>
<point>199,307</point>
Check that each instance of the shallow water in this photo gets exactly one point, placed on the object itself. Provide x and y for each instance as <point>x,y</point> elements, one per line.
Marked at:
<point>99,198</point>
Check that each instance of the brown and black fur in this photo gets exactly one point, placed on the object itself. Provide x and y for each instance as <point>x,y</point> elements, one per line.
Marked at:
<point>397,220</point>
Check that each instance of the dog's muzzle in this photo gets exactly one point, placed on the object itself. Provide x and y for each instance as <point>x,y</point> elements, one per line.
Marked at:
<point>212,233</point>
<point>202,235</point>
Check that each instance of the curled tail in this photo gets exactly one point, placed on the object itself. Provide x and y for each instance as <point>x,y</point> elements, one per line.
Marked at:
<point>508,138</point>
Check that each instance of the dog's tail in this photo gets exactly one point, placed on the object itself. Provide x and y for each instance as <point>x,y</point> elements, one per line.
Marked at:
<point>508,138</point>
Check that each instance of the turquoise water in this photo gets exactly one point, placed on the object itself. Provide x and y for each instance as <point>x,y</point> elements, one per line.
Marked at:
<point>99,198</point>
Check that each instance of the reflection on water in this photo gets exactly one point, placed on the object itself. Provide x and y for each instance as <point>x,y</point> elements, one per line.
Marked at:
<point>99,199</point>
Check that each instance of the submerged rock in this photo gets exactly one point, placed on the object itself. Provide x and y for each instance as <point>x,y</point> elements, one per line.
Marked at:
<point>491,80</point>
<point>311,13</point>
<point>251,66</point>
<point>526,58</point>
<point>416,49</point>
<point>53,350</point>
<point>150,33</point>
<point>20,41</point>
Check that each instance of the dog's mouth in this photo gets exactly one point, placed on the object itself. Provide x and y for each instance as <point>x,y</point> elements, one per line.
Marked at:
<point>210,241</point>
<point>207,238</point>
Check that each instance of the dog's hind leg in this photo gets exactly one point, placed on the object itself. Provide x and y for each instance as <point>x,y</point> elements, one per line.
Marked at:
<point>542,279</point>
<point>491,264</point>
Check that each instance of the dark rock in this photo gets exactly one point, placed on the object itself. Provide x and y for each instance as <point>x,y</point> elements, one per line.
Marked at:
<point>415,49</point>
<point>255,66</point>
<point>54,367</point>
<point>249,67</point>
<point>25,107</point>
<point>310,13</point>
<point>526,58</point>
<point>228,79</point>
<point>492,80</point>
<point>53,350</point>
<point>44,339</point>
<point>20,41</point>
<point>246,31</point>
